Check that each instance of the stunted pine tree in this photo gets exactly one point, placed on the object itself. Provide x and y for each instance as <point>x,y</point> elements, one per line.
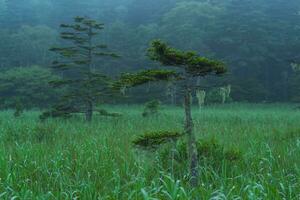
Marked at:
<point>188,66</point>
<point>77,58</point>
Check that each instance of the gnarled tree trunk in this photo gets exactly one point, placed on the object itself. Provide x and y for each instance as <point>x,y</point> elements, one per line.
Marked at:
<point>191,138</point>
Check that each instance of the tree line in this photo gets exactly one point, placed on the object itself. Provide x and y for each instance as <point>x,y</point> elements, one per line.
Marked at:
<point>257,39</point>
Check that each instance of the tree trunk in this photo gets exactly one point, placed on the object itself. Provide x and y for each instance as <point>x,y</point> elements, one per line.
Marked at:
<point>191,139</point>
<point>89,111</point>
<point>89,106</point>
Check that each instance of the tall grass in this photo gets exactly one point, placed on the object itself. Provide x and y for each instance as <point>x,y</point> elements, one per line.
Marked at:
<point>70,159</point>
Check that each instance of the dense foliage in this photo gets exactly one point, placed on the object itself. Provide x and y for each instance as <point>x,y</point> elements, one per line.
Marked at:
<point>26,86</point>
<point>257,39</point>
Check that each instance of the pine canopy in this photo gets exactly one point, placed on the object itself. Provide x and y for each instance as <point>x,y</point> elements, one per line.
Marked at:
<point>142,77</point>
<point>193,64</point>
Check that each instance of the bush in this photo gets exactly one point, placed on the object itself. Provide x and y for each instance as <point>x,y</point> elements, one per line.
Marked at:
<point>210,153</point>
<point>171,152</point>
<point>151,108</point>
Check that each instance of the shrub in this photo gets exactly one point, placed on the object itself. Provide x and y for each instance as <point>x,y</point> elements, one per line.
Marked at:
<point>210,152</point>
<point>172,151</point>
<point>233,154</point>
<point>151,108</point>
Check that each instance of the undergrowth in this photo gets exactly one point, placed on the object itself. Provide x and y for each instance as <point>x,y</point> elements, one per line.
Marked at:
<point>245,151</point>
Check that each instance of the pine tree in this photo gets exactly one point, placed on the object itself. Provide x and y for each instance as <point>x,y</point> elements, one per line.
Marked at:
<point>83,84</point>
<point>189,65</point>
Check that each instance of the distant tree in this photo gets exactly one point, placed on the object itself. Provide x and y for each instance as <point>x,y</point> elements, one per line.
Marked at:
<point>27,46</point>
<point>189,66</point>
<point>26,51</point>
<point>26,86</point>
<point>84,84</point>
<point>190,19</point>
<point>18,108</point>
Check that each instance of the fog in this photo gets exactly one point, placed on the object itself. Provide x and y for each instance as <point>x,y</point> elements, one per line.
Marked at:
<point>258,40</point>
<point>149,99</point>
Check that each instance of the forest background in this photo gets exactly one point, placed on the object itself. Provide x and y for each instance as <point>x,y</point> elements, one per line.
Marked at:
<point>258,40</point>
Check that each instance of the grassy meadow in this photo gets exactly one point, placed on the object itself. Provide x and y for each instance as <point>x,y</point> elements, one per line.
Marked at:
<point>71,159</point>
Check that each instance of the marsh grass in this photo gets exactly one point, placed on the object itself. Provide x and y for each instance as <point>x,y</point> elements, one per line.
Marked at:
<point>70,159</point>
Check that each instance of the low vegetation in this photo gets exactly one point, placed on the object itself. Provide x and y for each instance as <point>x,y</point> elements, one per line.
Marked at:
<point>245,151</point>
<point>151,108</point>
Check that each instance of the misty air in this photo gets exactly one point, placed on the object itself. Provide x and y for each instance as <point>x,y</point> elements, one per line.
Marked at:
<point>150,99</point>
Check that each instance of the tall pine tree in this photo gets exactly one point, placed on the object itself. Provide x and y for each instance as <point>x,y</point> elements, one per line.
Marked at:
<point>83,84</point>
